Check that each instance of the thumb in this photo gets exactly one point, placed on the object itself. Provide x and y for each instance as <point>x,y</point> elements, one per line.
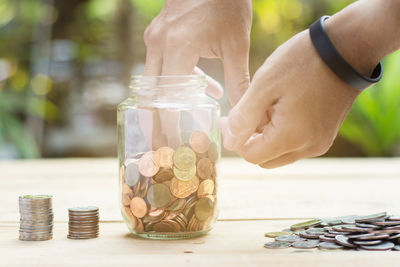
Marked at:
<point>245,117</point>
<point>236,72</point>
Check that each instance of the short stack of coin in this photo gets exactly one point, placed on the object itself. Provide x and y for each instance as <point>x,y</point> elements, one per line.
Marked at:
<point>375,232</point>
<point>36,223</point>
<point>169,190</point>
<point>83,222</point>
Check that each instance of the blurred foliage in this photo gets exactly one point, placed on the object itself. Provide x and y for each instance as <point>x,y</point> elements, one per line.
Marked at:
<point>92,26</point>
<point>374,121</point>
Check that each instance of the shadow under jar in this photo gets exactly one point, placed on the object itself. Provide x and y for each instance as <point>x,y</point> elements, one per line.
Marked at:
<point>168,148</point>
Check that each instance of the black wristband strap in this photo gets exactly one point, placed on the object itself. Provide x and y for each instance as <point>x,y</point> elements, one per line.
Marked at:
<point>336,62</point>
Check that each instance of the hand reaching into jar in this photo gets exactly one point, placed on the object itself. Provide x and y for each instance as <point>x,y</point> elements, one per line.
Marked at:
<point>295,104</point>
<point>186,30</point>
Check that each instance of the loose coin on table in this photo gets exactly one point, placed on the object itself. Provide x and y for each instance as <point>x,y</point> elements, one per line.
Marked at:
<point>377,232</point>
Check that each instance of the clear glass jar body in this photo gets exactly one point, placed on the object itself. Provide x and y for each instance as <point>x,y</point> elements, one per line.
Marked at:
<point>168,149</point>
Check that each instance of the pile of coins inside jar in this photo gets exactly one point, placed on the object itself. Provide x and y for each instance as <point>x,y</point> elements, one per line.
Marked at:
<point>375,232</point>
<point>166,191</point>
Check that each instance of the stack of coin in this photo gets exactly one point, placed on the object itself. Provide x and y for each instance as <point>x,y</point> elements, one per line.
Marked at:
<point>36,223</point>
<point>83,222</point>
<point>166,191</point>
<point>377,232</point>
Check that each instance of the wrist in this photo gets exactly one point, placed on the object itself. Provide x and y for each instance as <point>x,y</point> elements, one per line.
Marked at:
<point>364,32</point>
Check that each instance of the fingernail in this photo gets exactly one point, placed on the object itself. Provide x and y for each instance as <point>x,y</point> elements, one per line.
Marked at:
<point>230,141</point>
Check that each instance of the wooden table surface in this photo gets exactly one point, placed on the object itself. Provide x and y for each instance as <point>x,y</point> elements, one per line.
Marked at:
<point>252,201</point>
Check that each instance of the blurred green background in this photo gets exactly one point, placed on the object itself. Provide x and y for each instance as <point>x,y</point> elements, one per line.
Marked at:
<point>65,65</point>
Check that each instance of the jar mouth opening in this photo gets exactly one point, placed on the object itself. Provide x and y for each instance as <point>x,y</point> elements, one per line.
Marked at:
<point>139,82</point>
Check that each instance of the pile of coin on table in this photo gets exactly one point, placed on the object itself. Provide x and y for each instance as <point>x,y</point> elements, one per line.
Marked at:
<point>171,191</point>
<point>83,222</point>
<point>36,223</point>
<point>377,232</point>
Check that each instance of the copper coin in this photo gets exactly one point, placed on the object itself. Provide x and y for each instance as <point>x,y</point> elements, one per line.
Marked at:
<point>139,226</point>
<point>206,187</point>
<point>163,157</point>
<point>147,165</point>
<point>183,189</point>
<point>205,168</point>
<point>199,141</point>
<point>127,190</point>
<point>163,227</point>
<point>138,207</point>
<point>163,175</point>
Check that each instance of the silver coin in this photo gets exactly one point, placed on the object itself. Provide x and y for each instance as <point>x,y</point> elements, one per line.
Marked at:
<point>84,209</point>
<point>394,218</point>
<point>367,242</point>
<point>367,225</point>
<point>132,173</point>
<point>395,236</point>
<point>327,239</point>
<point>355,236</point>
<point>356,229</point>
<point>329,245</point>
<point>374,237</point>
<point>396,247</point>
<point>344,241</point>
<point>372,217</point>
<point>288,238</point>
<point>277,244</point>
<point>382,246</point>
<point>306,244</point>
<point>304,234</point>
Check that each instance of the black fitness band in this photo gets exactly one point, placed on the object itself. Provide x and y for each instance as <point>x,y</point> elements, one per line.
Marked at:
<point>336,62</point>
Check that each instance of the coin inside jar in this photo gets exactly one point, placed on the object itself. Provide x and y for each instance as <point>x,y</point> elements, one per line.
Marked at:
<point>206,187</point>
<point>138,207</point>
<point>147,166</point>
<point>158,195</point>
<point>204,209</point>
<point>199,141</point>
<point>183,189</point>
<point>163,175</point>
<point>163,157</point>
<point>205,168</point>
<point>185,175</point>
<point>131,172</point>
<point>184,158</point>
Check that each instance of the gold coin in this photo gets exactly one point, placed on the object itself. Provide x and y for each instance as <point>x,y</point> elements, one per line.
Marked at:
<point>276,234</point>
<point>206,187</point>
<point>138,207</point>
<point>183,189</point>
<point>147,166</point>
<point>205,168</point>
<point>212,152</point>
<point>199,141</point>
<point>185,175</point>
<point>204,209</point>
<point>158,195</point>
<point>163,157</point>
<point>184,158</point>
<point>164,175</point>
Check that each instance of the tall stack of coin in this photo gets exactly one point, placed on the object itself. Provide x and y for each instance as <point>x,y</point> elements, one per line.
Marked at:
<point>36,223</point>
<point>83,222</point>
<point>171,191</point>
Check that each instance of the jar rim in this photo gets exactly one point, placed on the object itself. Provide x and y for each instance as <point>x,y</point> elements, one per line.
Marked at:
<point>193,82</point>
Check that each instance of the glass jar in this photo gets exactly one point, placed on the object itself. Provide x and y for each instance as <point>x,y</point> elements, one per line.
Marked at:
<point>168,148</point>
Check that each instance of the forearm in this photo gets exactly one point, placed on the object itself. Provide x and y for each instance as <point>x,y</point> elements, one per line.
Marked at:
<point>365,32</point>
